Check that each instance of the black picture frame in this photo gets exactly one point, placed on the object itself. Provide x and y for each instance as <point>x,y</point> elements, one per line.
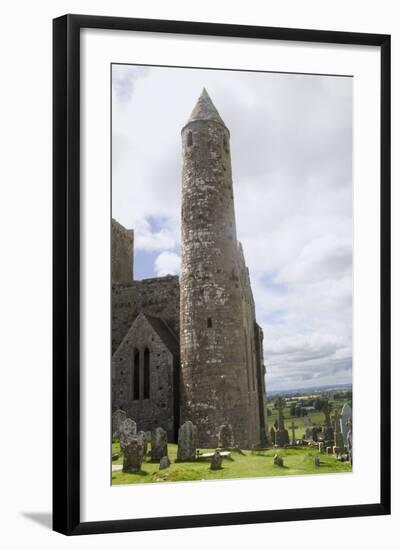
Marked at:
<point>66,273</point>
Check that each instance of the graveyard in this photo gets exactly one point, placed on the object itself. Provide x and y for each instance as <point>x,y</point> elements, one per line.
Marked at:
<point>313,441</point>
<point>243,464</point>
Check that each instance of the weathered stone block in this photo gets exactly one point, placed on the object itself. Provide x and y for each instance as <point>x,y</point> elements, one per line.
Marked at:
<point>187,441</point>
<point>164,463</point>
<point>278,461</point>
<point>159,446</point>
<point>117,418</point>
<point>216,461</point>
<point>133,454</point>
<point>127,432</point>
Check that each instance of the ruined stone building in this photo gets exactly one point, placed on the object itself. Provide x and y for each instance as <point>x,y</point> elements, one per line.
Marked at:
<point>121,253</point>
<point>192,349</point>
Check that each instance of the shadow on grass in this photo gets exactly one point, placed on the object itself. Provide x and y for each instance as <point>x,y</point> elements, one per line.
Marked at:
<point>142,473</point>
<point>237,451</point>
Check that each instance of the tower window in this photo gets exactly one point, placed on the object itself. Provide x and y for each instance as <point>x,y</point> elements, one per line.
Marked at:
<point>209,322</point>
<point>136,375</point>
<point>189,139</point>
<point>146,374</point>
<point>226,145</point>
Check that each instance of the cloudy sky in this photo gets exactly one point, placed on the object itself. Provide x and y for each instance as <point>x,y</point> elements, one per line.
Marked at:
<point>291,147</point>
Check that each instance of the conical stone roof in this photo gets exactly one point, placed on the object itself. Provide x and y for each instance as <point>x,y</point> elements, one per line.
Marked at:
<point>205,110</point>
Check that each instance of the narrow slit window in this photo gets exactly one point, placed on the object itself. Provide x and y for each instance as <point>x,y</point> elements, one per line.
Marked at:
<point>136,375</point>
<point>226,145</point>
<point>209,322</point>
<point>189,139</point>
<point>146,374</point>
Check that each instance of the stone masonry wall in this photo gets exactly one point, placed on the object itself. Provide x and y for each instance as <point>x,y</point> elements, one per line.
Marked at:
<point>121,253</point>
<point>158,409</point>
<point>158,296</point>
<point>218,367</point>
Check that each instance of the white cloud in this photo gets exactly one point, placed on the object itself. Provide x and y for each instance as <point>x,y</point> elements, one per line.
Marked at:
<point>167,263</point>
<point>291,146</point>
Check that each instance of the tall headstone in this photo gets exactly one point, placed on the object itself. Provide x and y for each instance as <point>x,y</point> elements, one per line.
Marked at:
<point>293,427</point>
<point>272,434</point>
<point>133,454</point>
<point>282,435</point>
<point>328,429</point>
<point>338,437</point>
<point>187,441</point>
<point>145,440</point>
<point>225,437</point>
<point>117,418</point>
<point>132,445</point>
<point>350,439</point>
<point>346,416</point>
<point>159,444</point>
<point>127,432</point>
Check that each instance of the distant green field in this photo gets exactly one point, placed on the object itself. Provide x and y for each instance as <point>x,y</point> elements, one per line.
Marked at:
<point>317,418</point>
<point>242,464</point>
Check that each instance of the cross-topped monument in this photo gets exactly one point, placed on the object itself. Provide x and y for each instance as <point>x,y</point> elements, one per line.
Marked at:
<point>293,427</point>
<point>281,436</point>
<point>279,406</point>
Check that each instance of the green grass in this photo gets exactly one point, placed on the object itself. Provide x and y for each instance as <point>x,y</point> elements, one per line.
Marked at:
<point>244,464</point>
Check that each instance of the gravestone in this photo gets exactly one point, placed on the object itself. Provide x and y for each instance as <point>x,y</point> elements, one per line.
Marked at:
<point>308,434</point>
<point>225,437</point>
<point>281,435</point>
<point>293,427</point>
<point>127,432</point>
<point>133,454</point>
<point>314,433</point>
<point>272,434</point>
<point>328,432</point>
<point>187,441</point>
<point>132,445</point>
<point>117,418</point>
<point>159,447</point>
<point>350,439</point>
<point>317,461</point>
<point>346,416</point>
<point>321,446</point>
<point>143,436</point>
<point>338,447</point>
<point>278,461</point>
<point>216,461</point>
<point>164,463</point>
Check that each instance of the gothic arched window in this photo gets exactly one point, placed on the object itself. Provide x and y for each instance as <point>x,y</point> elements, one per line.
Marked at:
<point>146,374</point>
<point>136,375</point>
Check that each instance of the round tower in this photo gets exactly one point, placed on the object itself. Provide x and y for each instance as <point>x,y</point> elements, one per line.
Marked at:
<point>217,370</point>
